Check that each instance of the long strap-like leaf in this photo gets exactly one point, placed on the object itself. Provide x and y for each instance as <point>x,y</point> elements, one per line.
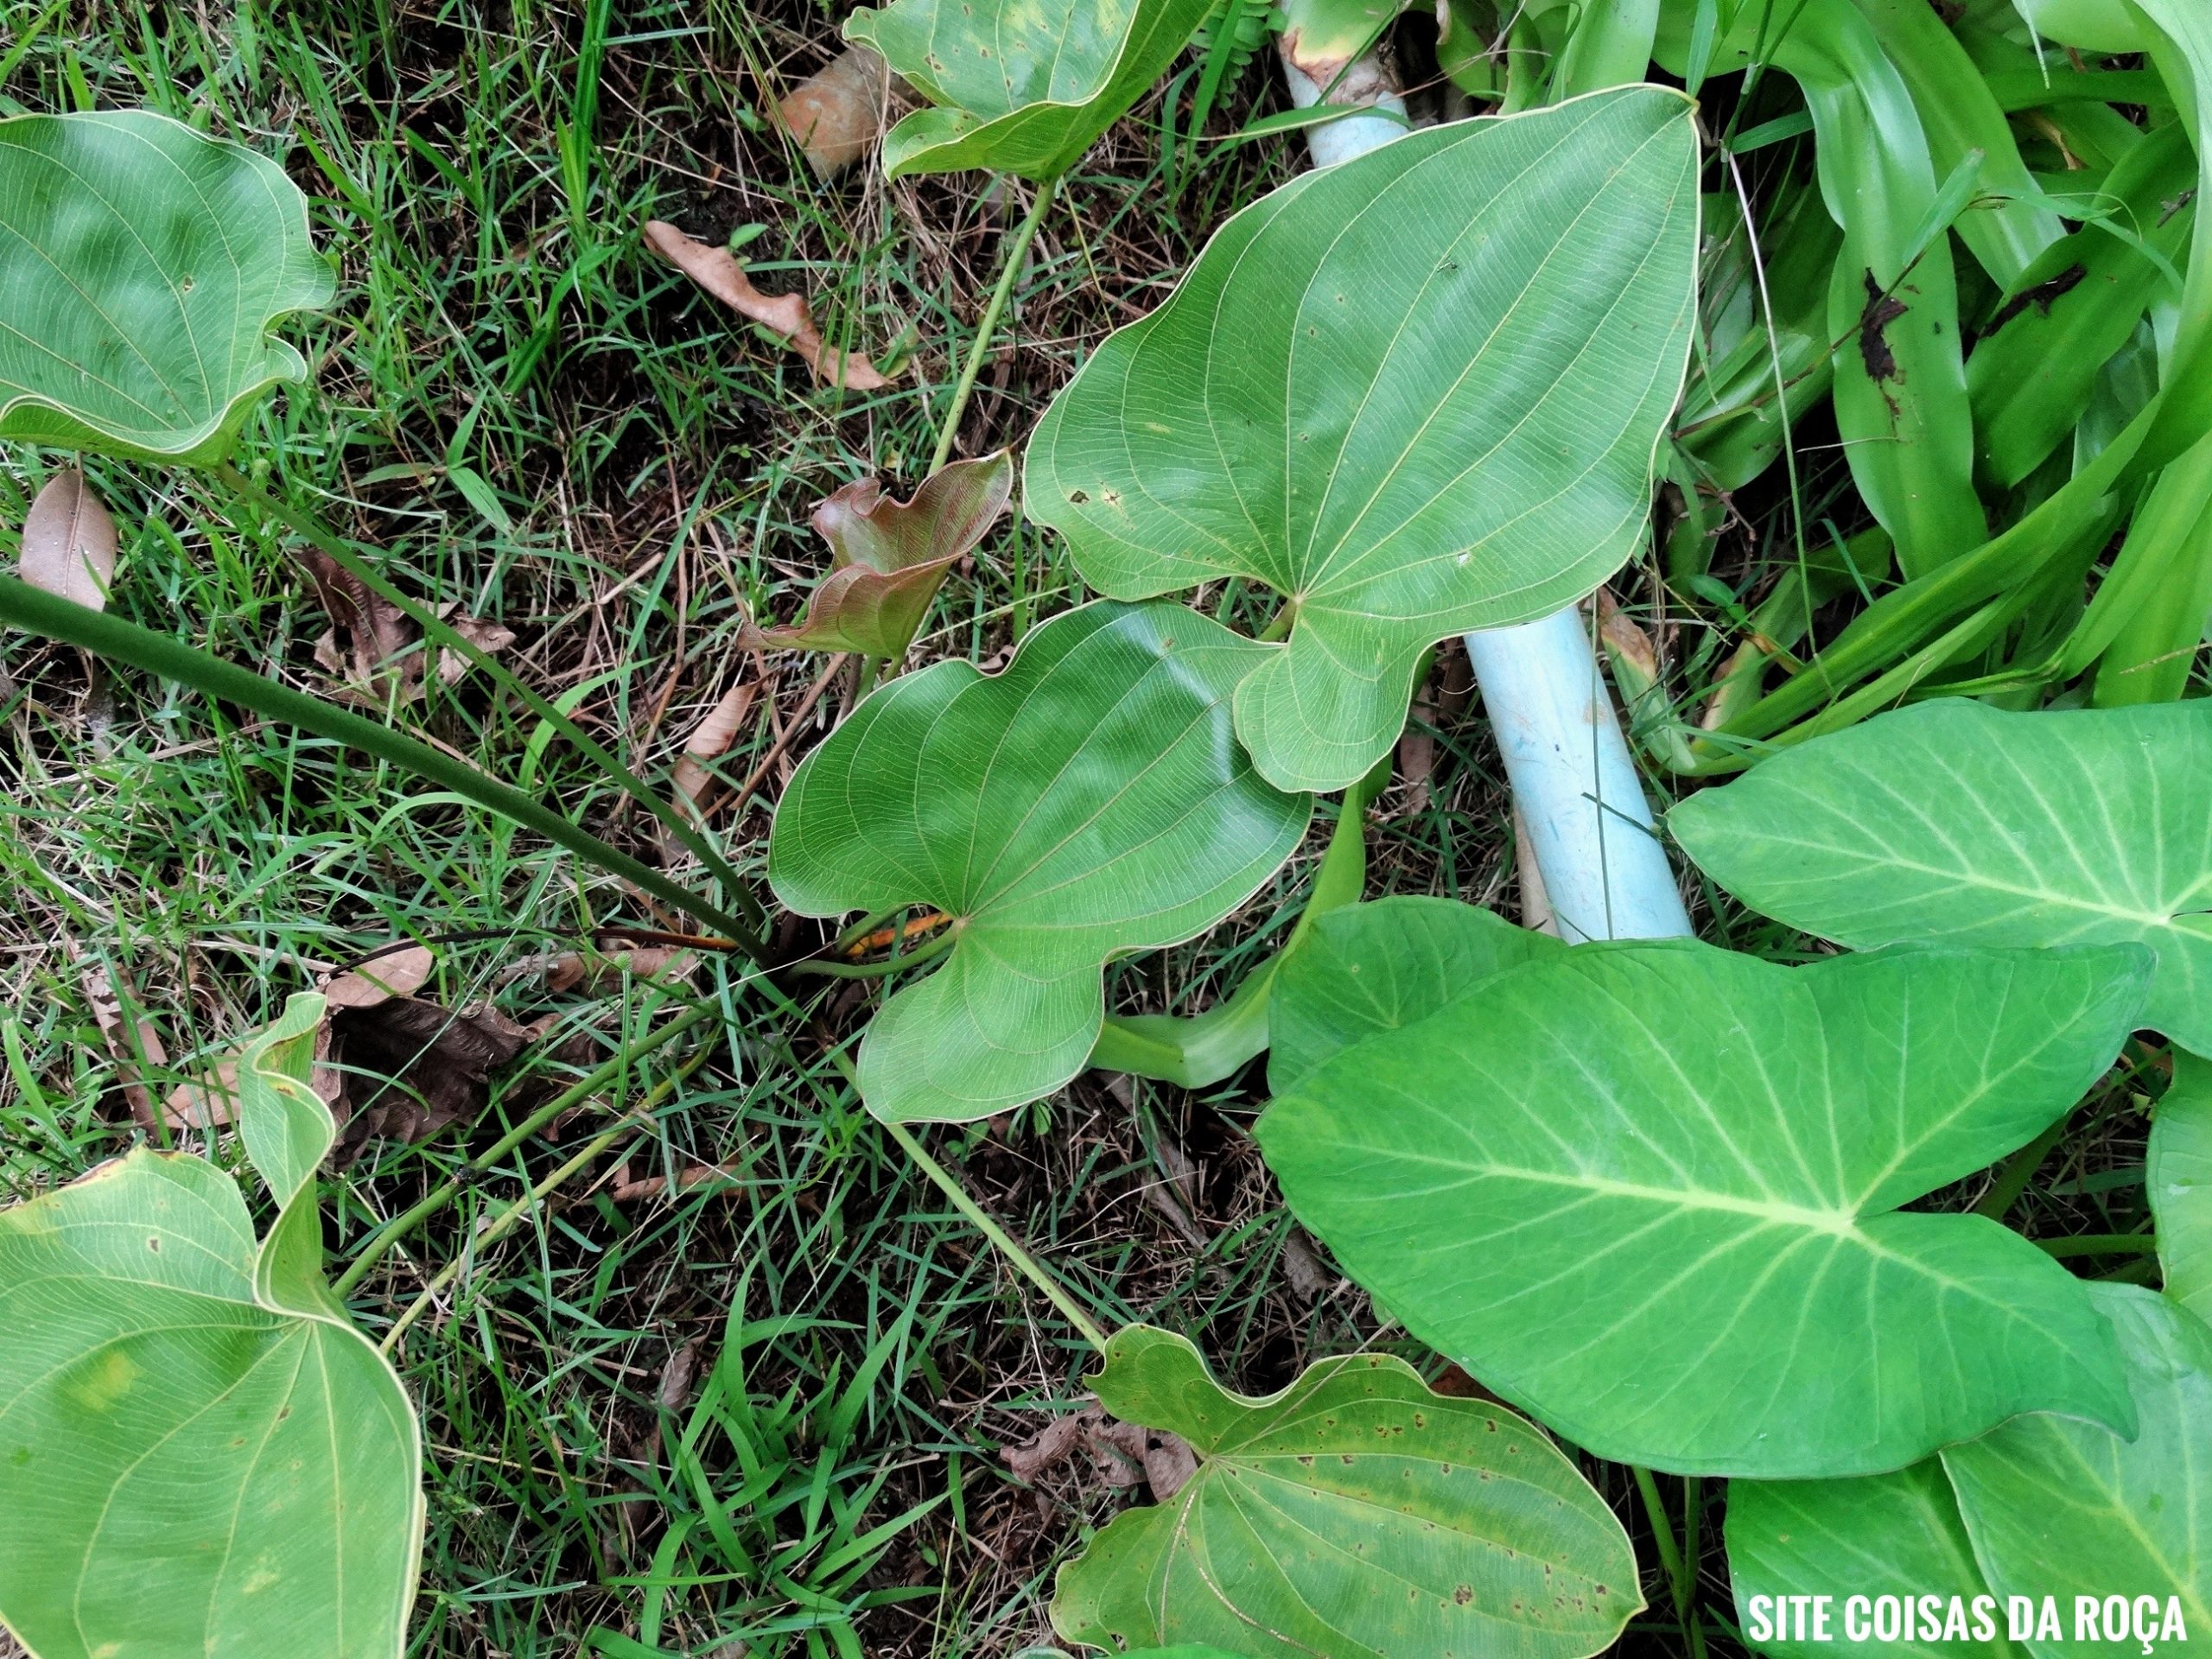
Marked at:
<point>119,641</point>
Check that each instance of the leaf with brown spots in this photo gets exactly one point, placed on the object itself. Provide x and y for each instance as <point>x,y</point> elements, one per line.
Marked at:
<point>1311,1509</point>
<point>889,557</point>
<point>717,271</point>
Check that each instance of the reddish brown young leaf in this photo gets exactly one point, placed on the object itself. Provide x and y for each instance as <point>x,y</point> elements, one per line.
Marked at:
<point>891,555</point>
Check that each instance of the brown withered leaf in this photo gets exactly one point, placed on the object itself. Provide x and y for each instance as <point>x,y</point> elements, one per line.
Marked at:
<point>575,970</point>
<point>654,1183</point>
<point>717,271</point>
<point>837,114</point>
<point>414,1067</point>
<point>369,643</point>
<point>1121,1454</point>
<point>711,738</point>
<point>888,557</point>
<point>392,973</point>
<point>209,1100</point>
<point>130,1043</point>
<point>69,543</point>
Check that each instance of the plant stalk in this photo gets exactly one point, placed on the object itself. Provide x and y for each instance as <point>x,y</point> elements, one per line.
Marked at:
<point>1017,250</point>
<point>116,640</point>
<point>1030,1267</point>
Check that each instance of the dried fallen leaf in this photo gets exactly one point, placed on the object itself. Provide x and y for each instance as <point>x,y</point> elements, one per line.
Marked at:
<point>717,271</point>
<point>654,1185</point>
<point>69,542</point>
<point>573,970</point>
<point>130,1044</point>
<point>711,737</point>
<point>392,973</point>
<point>370,642</point>
<point>889,557</point>
<point>1121,1454</point>
<point>208,1101</point>
<point>837,114</point>
<point>418,1066</point>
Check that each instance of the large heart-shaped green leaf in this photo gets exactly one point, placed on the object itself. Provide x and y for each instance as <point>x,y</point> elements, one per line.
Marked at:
<point>1956,822</point>
<point>1652,1192</point>
<point>1088,802</point>
<point>199,1451</point>
<point>2064,1508</point>
<point>1416,393</point>
<point>1872,1535</point>
<point>1022,87</point>
<point>2177,1173</point>
<point>143,263</point>
<point>1377,966</point>
<point>1356,1514</point>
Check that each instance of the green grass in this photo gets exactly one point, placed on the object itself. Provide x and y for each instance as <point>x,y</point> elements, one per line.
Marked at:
<point>763,1410</point>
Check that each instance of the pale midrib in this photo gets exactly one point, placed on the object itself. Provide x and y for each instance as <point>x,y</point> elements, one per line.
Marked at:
<point>1780,1212</point>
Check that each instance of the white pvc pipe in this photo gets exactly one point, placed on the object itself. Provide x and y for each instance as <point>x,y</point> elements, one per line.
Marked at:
<point>1597,861</point>
<point>1580,803</point>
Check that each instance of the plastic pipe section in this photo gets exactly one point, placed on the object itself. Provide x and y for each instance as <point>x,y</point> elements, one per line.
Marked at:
<point>1597,861</point>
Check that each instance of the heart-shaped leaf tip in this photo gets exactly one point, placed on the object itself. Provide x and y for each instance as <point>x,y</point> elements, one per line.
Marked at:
<point>199,1451</point>
<point>1357,1514</point>
<point>1019,87</point>
<point>1416,393</point>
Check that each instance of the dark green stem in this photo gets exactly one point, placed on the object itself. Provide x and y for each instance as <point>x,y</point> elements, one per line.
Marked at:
<point>438,632</point>
<point>118,641</point>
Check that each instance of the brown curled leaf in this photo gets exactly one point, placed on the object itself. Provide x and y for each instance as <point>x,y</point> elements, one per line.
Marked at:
<point>716,271</point>
<point>837,115</point>
<point>889,557</point>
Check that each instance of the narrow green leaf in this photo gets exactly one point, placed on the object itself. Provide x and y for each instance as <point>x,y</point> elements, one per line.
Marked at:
<point>1380,966</point>
<point>143,263</point>
<point>1088,802</point>
<point>1895,1534</point>
<point>2060,1508</point>
<point>1022,87</point>
<point>1955,821</point>
<point>1416,393</point>
<point>1356,1514</point>
<point>1652,1192</point>
<point>22,605</point>
<point>198,1452</point>
<point>2179,1176</point>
